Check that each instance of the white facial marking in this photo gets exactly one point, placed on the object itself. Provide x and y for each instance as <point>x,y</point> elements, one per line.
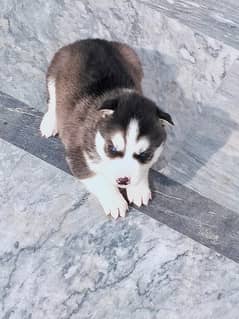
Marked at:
<point>133,145</point>
<point>118,141</point>
<point>95,165</point>
<point>142,145</point>
<point>48,125</point>
<point>127,166</point>
<point>131,137</point>
<point>100,144</point>
<point>157,153</point>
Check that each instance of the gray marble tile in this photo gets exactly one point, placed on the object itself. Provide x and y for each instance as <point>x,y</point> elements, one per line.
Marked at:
<point>208,160</point>
<point>191,63</point>
<point>218,19</point>
<point>174,204</point>
<point>194,215</point>
<point>19,125</point>
<point>61,258</point>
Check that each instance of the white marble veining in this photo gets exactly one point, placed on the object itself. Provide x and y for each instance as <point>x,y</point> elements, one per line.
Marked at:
<point>218,19</point>
<point>208,160</point>
<point>182,67</point>
<point>60,257</point>
<point>32,31</point>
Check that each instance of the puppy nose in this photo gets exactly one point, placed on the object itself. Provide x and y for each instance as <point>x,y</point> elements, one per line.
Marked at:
<point>123,181</point>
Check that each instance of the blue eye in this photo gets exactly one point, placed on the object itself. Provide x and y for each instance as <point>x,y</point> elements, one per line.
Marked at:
<point>112,149</point>
<point>144,156</point>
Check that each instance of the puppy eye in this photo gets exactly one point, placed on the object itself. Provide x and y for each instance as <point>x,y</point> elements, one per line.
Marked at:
<point>144,156</point>
<point>112,149</point>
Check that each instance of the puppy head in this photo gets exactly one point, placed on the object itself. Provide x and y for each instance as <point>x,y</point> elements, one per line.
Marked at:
<point>130,138</point>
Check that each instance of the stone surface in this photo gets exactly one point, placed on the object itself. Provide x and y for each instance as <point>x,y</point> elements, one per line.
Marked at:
<point>208,160</point>
<point>173,204</point>
<point>60,257</point>
<point>177,60</point>
<point>218,19</point>
<point>19,125</point>
<point>182,67</point>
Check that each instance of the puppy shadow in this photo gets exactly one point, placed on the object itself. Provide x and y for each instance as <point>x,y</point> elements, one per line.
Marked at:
<point>200,130</point>
<point>204,139</point>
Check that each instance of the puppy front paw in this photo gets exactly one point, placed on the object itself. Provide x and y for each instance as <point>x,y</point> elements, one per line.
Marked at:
<point>48,125</point>
<point>108,195</point>
<point>114,205</point>
<point>139,194</point>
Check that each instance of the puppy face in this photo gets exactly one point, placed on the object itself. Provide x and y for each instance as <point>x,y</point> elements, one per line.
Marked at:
<point>129,140</point>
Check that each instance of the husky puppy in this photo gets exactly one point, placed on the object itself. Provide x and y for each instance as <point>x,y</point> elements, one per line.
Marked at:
<point>112,133</point>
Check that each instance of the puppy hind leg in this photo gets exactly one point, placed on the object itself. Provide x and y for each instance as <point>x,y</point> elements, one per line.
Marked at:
<point>48,125</point>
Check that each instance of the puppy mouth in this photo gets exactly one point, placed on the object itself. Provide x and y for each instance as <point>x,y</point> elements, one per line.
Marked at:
<point>123,181</point>
<point>122,186</point>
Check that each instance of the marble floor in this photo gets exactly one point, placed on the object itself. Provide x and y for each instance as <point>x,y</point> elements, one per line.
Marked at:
<point>210,151</point>
<point>60,257</point>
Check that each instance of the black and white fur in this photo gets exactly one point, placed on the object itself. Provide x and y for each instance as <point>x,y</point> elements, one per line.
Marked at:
<point>111,132</point>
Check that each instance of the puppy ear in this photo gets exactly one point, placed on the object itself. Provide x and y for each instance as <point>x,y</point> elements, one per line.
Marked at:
<point>164,116</point>
<point>108,107</point>
<point>106,112</point>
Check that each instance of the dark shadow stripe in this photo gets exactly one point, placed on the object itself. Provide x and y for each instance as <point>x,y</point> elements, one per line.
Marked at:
<point>19,125</point>
<point>194,215</point>
<point>173,204</point>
